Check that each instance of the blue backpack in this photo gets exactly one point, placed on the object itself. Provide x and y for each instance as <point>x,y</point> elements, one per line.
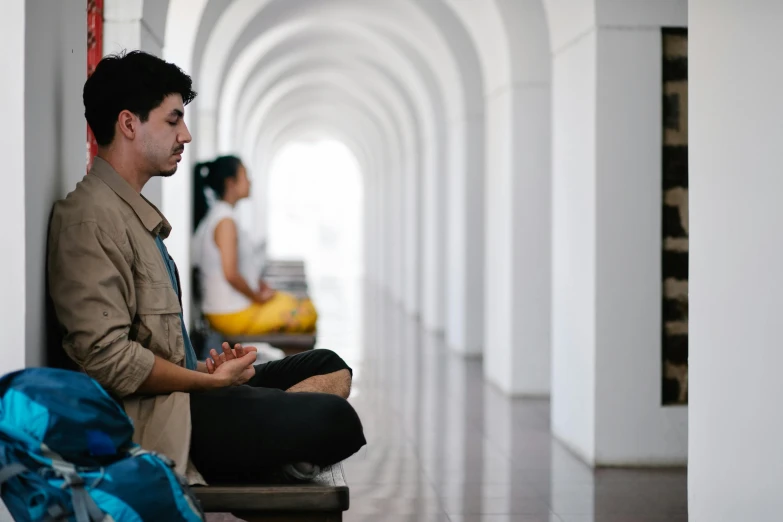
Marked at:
<point>67,454</point>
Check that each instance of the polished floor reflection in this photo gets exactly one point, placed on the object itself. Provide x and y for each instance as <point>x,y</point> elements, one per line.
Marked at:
<point>444,446</point>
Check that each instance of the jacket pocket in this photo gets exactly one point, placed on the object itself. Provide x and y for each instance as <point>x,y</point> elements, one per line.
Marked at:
<point>157,312</point>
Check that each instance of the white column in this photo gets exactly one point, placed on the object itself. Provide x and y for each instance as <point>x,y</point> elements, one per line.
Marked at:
<point>373,230</point>
<point>573,246</point>
<point>433,238</point>
<point>736,282</point>
<point>607,189</point>
<point>517,289</point>
<point>464,253</point>
<point>389,225</point>
<point>382,237</point>
<point>367,226</point>
<point>130,25</point>
<point>376,227</point>
<point>54,144</point>
<point>180,30</point>
<point>395,231</point>
<point>402,243</point>
<point>12,211</point>
<point>411,213</point>
<point>370,270</point>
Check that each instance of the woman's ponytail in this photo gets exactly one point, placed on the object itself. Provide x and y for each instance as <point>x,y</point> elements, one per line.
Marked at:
<point>200,203</point>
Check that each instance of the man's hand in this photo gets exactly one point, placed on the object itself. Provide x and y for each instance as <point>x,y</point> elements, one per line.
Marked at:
<point>228,354</point>
<point>236,371</point>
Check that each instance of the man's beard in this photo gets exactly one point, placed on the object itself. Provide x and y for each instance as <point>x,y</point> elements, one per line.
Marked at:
<point>169,173</point>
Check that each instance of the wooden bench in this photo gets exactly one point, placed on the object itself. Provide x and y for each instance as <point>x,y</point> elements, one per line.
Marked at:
<point>322,500</point>
<point>291,263</point>
<point>289,284</point>
<point>287,276</point>
<point>288,271</point>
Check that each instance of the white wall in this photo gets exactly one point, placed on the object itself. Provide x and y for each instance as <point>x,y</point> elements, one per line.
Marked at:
<point>631,426</point>
<point>573,246</point>
<point>55,141</point>
<point>606,398</point>
<point>736,281</point>
<point>12,138</point>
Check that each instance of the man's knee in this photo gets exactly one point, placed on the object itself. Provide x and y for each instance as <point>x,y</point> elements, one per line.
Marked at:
<point>331,362</point>
<point>342,383</point>
<point>326,373</point>
<point>343,374</point>
<point>340,425</point>
<point>334,383</point>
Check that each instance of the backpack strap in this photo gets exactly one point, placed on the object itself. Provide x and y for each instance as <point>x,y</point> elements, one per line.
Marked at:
<point>56,514</point>
<point>11,470</point>
<point>8,472</point>
<point>84,506</point>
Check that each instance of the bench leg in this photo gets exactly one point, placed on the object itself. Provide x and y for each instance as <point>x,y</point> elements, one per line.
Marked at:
<point>290,517</point>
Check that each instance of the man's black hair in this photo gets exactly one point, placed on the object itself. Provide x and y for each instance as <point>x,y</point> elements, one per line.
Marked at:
<point>134,81</point>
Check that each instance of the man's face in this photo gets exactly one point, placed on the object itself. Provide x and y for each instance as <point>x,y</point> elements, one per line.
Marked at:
<point>163,136</point>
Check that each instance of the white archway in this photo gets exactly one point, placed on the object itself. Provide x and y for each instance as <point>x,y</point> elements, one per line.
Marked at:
<point>315,205</point>
<point>434,292</point>
<point>368,130</point>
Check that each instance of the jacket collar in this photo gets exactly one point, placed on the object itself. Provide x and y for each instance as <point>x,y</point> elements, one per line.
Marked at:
<point>150,216</point>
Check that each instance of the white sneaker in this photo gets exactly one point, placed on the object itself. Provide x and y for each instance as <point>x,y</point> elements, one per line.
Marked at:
<point>302,471</point>
<point>268,353</point>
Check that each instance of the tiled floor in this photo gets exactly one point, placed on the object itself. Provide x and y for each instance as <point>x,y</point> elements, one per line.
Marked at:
<point>443,446</point>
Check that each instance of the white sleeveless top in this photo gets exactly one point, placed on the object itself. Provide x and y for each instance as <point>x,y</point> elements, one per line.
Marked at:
<point>218,296</point>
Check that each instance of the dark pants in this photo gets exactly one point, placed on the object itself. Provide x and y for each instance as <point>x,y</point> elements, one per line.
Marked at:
<point>244,433</point>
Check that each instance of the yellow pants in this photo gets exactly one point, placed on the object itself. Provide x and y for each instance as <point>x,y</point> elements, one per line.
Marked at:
<point>284,313</point>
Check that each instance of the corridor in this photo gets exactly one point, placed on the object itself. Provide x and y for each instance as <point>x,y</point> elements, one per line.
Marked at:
<point>571,200</point>
<point>445,446</point>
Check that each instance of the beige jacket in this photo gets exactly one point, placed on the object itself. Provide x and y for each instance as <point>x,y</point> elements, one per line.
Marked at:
<point>113,297</point>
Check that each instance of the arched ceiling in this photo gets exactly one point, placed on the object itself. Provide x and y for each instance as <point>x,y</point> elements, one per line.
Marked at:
<point>320,50</point>
<point>240,40</point>
<point>246,27</point>
<point>328,84</point>
<point>302,128</point>
<point>342,111</point>
<point>417,70</point>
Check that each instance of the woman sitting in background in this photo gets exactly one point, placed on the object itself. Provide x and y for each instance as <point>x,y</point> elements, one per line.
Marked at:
<point>223,255</point>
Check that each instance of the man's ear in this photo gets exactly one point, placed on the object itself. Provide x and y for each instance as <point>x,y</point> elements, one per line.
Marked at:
<point>127,124</point>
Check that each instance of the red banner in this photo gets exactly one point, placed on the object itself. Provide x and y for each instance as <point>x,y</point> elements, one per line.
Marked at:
<point>94,55</point>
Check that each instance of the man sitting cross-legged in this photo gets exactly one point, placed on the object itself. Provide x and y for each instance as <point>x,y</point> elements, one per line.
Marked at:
<point>117,296</point>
